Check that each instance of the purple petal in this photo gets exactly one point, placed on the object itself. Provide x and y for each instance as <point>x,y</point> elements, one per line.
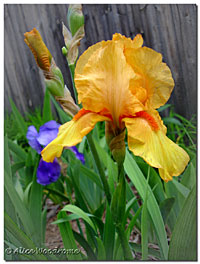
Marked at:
<point>79,155</point>
<point>50,125</point>
<point>48,132</point>
<point>32,139</point>
<point>48,172</point>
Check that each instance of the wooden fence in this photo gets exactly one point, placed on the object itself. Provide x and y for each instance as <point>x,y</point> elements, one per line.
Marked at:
<point>169,29</point>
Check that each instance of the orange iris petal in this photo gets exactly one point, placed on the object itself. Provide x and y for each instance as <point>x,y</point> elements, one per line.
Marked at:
<point>80,113</point>
<point>149,118</point>
<point>143,114</point>
<point>154,146</point>
<point>83,111</point>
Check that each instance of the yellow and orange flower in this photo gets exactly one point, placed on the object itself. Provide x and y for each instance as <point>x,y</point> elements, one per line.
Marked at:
<point>121,82</point>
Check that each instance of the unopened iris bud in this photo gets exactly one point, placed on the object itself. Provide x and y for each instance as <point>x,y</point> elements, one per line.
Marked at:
<point>64,51</point>
<point>54,80</point>
<point>75,18</point>
<point>53,76</point>
<point>42,55</point>
<point>72,43</point>
<point>74,34</point>
<point>115,141</point>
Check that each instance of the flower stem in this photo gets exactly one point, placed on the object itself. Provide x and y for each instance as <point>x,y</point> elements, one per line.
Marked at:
<point>99,167</point>
<point>121,205</point>
<point>72,68</point>
<point>118,207</point>
<point>124,242</point>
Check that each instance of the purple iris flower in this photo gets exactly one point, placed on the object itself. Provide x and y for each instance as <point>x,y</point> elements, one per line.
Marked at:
<point>48,132</point>
<point>79,155</point>
<point>32,139</point>
<point>47,172</point>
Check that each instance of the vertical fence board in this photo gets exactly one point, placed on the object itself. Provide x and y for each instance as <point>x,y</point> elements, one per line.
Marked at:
<point>169,29</point>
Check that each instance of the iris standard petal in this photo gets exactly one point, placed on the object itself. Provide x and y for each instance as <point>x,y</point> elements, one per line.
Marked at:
<point>104,80</point>
<point>83,59</point>
<point>48,132</point>
<point>32,135</point>
<point>147,139</point>
<point>70,134</point>
<point>136,43</point>
<point>48,172</point>
<point>153,75</point>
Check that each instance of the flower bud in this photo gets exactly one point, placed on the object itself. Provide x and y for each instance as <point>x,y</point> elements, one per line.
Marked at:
<point>53,76</point>
<point>72,43</point>
<point>42,55</point>
<point>54,80</point>
<point>115,141</point>
<point>75,18</point>
<point>64,51</point>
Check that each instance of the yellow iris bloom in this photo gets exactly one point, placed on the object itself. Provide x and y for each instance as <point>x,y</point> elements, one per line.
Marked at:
<point>121,82</point>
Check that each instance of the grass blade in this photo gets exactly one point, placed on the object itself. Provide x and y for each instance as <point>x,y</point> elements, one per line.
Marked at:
<point>189,176</point>
<point>133,221</point>
<point>139,181</point>
<point>144,223</point>
<point>17,166</point>
<point>35,207</point>
<point>81,240</point>
<point>101,250</point>
<point>183,244</point>
<point>151,252</point>
<point>17,150</point>
<point>164,107</point>
<point>109,234</point>
<point>19,206</point>
<point>166,207</point>
<point>18,117</point>
<point>19,234</point>
<point>58,193</point>
<point>7,163</point>
<point>46,113</point>
<point>91,175</point>
<point>129,205</point>
<point>76,210</point>
<point>181,188</point>
<point>68,237</point>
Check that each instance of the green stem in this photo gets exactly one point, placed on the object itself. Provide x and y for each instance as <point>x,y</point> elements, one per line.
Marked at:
<point>121,212</point>
<point>72,69</point>
<point>124,242</point>
<point>99,167</point>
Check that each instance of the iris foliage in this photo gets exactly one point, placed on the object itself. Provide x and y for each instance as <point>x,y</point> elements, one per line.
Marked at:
<point>162,215</point>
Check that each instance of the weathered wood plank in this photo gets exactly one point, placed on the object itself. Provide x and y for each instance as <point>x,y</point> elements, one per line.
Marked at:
<point>169,29</point>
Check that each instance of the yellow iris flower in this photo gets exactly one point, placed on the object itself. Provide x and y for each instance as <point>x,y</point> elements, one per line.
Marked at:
<point>121,82</point>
